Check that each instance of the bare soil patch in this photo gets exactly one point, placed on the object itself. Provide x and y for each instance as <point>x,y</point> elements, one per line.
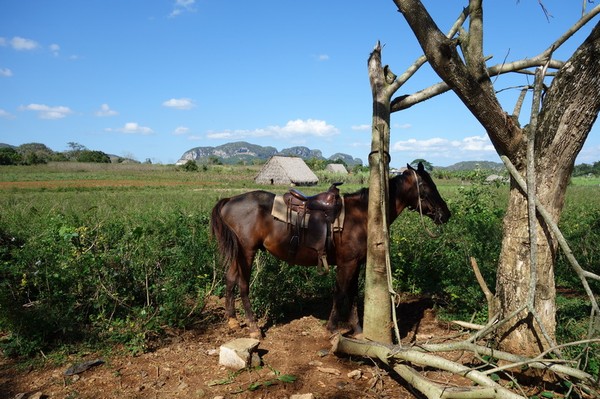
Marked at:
<point>186,365</point>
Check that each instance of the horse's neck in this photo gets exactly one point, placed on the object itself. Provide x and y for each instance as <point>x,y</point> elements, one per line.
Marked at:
<point>397,200</point>
<point>398,196</point>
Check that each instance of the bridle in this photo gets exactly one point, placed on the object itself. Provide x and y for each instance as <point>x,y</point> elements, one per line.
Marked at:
<point>420,206</point>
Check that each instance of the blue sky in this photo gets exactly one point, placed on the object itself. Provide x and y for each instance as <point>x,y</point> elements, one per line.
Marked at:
<point>153,79</point>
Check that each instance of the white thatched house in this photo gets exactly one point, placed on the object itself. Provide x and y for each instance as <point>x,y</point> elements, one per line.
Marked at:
<point>286,170</point>
<point>336,168</point>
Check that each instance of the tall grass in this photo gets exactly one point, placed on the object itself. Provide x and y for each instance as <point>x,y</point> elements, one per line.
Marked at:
<point>121,261</point>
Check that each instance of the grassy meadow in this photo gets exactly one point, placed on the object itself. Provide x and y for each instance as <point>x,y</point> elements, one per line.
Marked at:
<point>115,253</point>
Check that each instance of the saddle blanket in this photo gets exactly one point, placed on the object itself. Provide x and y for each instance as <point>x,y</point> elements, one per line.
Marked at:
<point>280,212</point>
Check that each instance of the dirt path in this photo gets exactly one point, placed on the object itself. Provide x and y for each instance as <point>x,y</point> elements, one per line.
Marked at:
<point>296,360</point>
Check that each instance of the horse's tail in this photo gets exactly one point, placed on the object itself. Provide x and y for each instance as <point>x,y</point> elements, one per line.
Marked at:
<point>227,241</point>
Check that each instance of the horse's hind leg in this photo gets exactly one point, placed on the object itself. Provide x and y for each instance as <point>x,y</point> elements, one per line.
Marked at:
<point>244,285</point>
<point>231,279</point>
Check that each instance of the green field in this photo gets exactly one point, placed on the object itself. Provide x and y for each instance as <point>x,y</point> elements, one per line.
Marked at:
<point>116,253</point>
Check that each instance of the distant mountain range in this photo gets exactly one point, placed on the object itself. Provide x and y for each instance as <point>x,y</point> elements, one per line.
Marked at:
<point>241,151</point>
<point>472,165</point>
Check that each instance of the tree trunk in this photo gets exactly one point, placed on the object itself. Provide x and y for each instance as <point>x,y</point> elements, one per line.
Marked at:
<point>568,113</point>
<point>570,108</point>
<point>378,309</point>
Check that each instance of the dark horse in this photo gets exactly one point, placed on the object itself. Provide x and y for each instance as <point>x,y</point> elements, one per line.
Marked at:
<point>243,224</point>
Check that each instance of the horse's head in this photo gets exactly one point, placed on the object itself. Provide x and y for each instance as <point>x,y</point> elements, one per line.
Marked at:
<point>424,196</point>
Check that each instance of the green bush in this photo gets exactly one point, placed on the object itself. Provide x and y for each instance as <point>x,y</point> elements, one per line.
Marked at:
<point>92,156</point>
<point>279,290</point>
<point>9,156</point>
<point>77,277</point>
<point>440,266</point>
<point>190,166</point>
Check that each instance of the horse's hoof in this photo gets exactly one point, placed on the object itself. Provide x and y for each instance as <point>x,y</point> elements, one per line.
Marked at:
<point>256,335</point>
<point>233,324</point>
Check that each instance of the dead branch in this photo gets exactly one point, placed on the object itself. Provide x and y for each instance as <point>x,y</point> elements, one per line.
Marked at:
<point>423,355</point>
<point>492,301</point>
<point>392,355</point>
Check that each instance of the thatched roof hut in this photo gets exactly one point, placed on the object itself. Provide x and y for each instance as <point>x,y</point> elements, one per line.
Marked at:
<point>286,170</point>
<point>336,168</point>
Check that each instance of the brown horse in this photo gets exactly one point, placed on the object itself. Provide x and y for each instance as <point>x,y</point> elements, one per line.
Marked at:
<point>243,224</point>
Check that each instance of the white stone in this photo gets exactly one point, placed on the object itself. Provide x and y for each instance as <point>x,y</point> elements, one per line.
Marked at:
<point>237,354</point>
<point>303,396</point>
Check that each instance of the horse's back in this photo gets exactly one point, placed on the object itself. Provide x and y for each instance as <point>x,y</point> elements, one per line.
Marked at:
<point>248,204</point>
<point>249,215</point>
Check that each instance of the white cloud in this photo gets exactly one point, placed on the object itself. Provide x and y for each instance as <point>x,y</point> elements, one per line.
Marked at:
<point>322,57</point>
<point>179,103</point>
<point>22,44</point>
<point>181,130</point>
<point>297,127</point>
<point>47,112</point>
<point>106,111</point>
<point>479,146</point>
<point>478,143</point>
<point>434,144</point>
<point>55,49</point>
<point>5,114</point>
<point>134,128</point>
<point>6,72</point>
<point>366,127</point>
<point>181,6</point>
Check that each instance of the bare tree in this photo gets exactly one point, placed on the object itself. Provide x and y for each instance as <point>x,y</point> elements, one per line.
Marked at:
<point>525,289</point>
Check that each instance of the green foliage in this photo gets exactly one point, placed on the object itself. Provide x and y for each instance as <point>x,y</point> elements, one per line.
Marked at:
<point>440,266</point>
<point>9,156</point>
<point>117,264</point>
<point>585,169</point>
<point>259,382</point>
<point>34,153</point>
<point>580,224</point>
<point>190,166</point>
<point>573,325</point>
<point>426,164</point>
<point>92,156</point>
<point>100,276</point>
<point>316,164</point>
<point>279,290</point>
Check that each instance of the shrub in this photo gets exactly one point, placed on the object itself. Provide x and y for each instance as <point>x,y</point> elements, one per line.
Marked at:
<point>190,166</point>
<point>279,290</point>
<point>75,277</point>
<point>9,156</point>
<point>440,266</point>
<point>92,156</point>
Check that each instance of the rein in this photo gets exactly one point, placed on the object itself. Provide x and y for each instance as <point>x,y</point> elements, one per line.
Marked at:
<point>432,235</point>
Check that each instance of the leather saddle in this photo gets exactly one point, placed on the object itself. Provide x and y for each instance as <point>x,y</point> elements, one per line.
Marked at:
<point>314,218</point>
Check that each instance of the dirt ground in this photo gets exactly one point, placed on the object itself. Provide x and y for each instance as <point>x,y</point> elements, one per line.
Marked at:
<point>296,359</point>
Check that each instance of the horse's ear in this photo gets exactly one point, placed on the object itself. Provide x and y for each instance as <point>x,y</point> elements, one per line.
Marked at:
<point>421,168</point>
<point>409,167</point>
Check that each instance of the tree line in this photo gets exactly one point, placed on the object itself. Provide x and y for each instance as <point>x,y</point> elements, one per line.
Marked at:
<point>37,153</point>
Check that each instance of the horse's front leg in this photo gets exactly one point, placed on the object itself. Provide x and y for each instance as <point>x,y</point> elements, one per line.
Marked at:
<point>344,312</point>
